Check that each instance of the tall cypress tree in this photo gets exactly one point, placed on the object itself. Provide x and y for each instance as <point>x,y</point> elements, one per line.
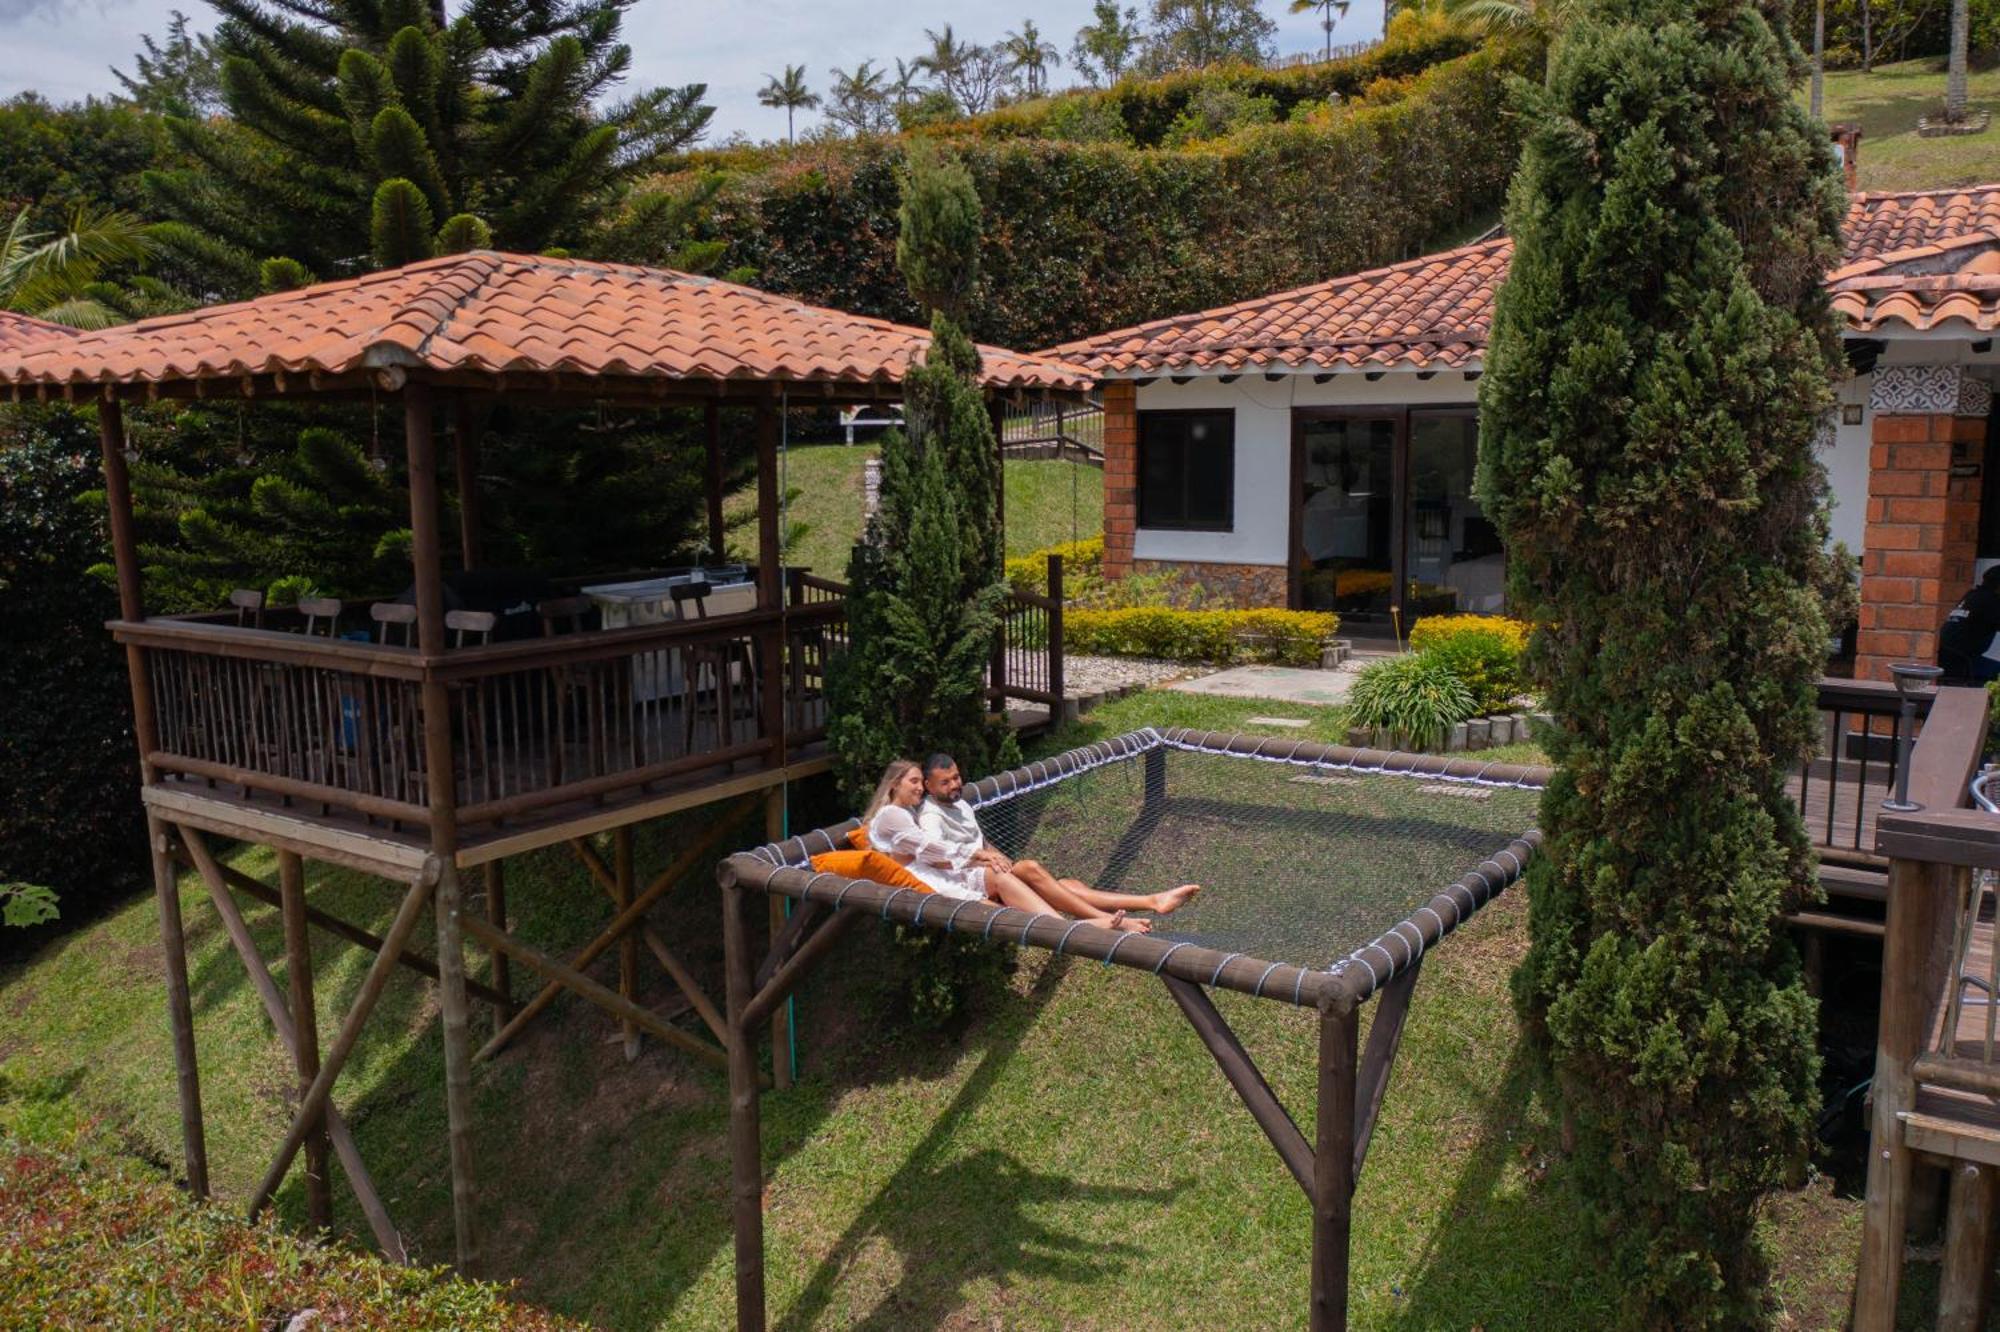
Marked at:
<point>1661,358</point>
<point>368,134</point>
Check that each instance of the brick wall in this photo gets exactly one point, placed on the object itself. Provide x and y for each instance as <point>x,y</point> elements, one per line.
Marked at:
<point>1922,534</point>
<point>1121,473</point>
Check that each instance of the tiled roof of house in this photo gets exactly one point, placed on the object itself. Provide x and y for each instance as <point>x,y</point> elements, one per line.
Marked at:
<point>1435,312</point>
<point>507,313</point>
<point>19,330</point>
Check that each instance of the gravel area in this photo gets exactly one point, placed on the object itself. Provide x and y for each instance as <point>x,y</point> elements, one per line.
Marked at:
<point>1097,675</point>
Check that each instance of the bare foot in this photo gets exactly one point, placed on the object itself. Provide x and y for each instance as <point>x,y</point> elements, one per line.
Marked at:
<point>1127,925</point>
<point>1175,899</point>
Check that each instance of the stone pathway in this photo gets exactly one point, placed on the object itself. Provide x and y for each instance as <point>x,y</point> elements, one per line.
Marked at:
<point>1284,684</point>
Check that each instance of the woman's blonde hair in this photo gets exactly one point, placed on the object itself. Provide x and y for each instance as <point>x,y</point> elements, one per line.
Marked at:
<point>890,776</point>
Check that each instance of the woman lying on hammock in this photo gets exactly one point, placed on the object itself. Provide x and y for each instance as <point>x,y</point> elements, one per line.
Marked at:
<point>951,870</point>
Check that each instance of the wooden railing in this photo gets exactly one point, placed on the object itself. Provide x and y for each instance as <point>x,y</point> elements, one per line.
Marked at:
<point>1840,789</point>
<point>535,723</point>
<point>1055,430</point>
<point>1027,659</point>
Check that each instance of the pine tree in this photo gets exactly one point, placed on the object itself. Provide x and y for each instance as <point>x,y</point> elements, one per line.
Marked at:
<point>926,591</point>
<point>1660,362</point>
<point>362,134</point>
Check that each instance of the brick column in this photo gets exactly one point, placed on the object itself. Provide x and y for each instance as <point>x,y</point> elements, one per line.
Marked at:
<point>1121,473</point>
<point>1922,521</point>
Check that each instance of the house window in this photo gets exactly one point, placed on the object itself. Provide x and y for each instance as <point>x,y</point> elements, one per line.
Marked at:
<point>1187,470</point>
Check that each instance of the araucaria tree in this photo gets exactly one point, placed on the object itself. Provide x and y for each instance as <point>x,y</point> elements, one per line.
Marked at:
<point>371,134</point>
<point>1661,359</point>
<point>926,577</point>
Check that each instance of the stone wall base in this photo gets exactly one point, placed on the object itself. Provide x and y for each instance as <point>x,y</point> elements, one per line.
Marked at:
<point>1244,586</point>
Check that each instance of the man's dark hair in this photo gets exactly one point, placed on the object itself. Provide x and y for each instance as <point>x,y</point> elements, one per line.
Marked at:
<point>940,760</point>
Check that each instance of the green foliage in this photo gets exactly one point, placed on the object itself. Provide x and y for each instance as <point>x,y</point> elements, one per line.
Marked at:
<point>1289,638</point>
<point>55,160</point>
<point>282,275</point>
<point>1195,34</point>
<point>1418,698</point>
<point>1660,362</point>
<point>1486,662</point>
<point>937,237</point>
<point>353,128</point>
<point>1217,111</point>
<point>1081,237</point>
<point>26,905</point>
<point>1438,630</point>
<point>69,816</point>
<point>1083,565</point>
<point>96,1245</point>
<point>934,980</point>
<point>1080,120</point>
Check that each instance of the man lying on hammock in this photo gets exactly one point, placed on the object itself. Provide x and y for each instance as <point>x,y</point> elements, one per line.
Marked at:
<point>945,816</point>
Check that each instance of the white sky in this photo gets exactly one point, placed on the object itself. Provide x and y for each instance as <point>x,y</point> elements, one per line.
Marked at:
<point>65,49</point>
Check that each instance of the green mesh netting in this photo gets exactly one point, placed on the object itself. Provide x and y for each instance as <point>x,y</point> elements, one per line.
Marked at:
<point>1298,864</point>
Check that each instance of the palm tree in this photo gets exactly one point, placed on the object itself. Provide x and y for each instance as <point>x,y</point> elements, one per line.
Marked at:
<point>1029,54</point>
<point>1326,18</point>
<point>56,277</point>
<point>859,99</point>
<point>1954,81</point>
<point>789,93</point>
<point>903,89</point>
<point>946,60</point>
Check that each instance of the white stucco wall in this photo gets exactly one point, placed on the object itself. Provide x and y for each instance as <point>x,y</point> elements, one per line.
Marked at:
<point>1847,466</point>
<point>1264,451</point>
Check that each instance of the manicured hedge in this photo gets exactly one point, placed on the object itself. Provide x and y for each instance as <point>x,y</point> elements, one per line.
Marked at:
<point>1082,565</point>
<point>1290,638</point>
<point>1437,630</point>
<point>1080,238</point>
<point>104,1247</point>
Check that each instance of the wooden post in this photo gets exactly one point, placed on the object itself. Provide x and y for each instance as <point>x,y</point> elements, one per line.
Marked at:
<point>1056,638</point>
<point>1153,782</point>
<point>166,887</point>
<point>305,1023</point>
<point>996,411</point>
<point>781,1020</point>
<point>440,785</point>
<point>622,877</point>
<point>467,424</point>
<point>1968,1248</point>
<point>712,421</point>
<point>770,585</point>
<point>746,1152</point>
<point>500,977</point>
<point>1914,897</point>
<point>1333,1166</point>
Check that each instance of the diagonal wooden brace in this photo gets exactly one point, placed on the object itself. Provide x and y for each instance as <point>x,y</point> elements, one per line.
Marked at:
<point>1385,1037</point>
<point>281,1019</point>
<point>372,985</point>
<point>1241,1070</point>
<point>760,1008</point>
<point>803,918</point>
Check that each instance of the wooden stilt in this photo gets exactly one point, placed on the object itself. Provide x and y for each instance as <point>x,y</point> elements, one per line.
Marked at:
<point>781,1019</point>
<point>344,1147</point>
<point>180,1012</point>
<point>1968,1248</point>
<point>441,796</point>
<point>305,1023</point>
<point>628,942</point>
<point>746,1152</point>
<point>1243,1075</point>
<point>1333,1167</point>
<point>500,980</point>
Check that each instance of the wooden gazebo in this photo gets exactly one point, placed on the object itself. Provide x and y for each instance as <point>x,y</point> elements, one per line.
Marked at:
<point>422,759</point>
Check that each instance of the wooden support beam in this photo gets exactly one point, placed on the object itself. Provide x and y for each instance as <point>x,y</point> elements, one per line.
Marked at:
<point>746,1152</point>
<point>628,945</point>
<point>335,1059</point>
<point>496,911</point>
<point>603,996</point>
<point>305,1025</point>
<point>759,1009</point>
<point>1333,1166</point>
<point>332,924</point>
<point>180,1011</point>
<point>1385,1037</point>
<point>1967,1280</point>
<point>803,918</point>
<point>781,1017</point>
<point>770,584</point>
<point>712,476</point>
<point>1236,1064</point>
<point>358,1177</point>
<point>468,423</point>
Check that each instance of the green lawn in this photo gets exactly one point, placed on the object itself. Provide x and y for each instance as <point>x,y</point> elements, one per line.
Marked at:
<point>1047,502</point>
<point>1070,1160</point>
<point>1886,105</point>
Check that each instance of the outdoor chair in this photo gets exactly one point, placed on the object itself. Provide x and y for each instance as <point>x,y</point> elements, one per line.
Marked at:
<point>710,667</point>
<point>248,603</point>
<point>395,623</point>
<point>322,615</point>
<point>576,686</point>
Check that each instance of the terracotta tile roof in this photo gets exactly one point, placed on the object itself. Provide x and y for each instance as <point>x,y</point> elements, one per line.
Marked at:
<point>505,313</point>
<point>1434,312</point>
<point>19,330</point>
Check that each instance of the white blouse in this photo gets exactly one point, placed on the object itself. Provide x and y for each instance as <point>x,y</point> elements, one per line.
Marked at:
<point>895,830</point>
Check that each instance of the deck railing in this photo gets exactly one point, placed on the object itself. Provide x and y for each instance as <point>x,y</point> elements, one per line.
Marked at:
<point>1027,661</point>
<point>1860,745</point>
<point>536,723</point>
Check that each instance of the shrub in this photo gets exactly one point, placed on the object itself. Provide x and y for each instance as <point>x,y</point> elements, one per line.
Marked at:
<point>1291,638</point>
<point>1436,630</point>
<point>1083,564</point>
<point>1417,698</point>
<point>1484,663</point>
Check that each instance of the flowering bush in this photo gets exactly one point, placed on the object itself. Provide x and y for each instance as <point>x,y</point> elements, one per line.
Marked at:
<point>1290,638</point>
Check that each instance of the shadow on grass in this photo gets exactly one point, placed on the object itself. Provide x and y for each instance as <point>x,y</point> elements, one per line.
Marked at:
<point>954,1220</point>
<point>1509,1251</point>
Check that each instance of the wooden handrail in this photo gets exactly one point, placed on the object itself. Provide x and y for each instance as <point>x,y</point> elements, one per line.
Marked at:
<point>382,660</point>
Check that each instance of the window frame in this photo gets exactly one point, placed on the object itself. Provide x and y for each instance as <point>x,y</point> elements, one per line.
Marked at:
<point>1141,520</point>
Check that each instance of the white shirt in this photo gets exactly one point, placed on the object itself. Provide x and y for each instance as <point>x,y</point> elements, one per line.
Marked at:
<point>954,824</point>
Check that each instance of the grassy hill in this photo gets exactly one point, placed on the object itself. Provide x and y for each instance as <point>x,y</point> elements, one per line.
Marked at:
<point>1886,105</point>
<point>1070,1160</point>
<point>1047,502</point>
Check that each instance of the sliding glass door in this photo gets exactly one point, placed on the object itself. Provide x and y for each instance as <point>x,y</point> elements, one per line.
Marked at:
<point>1344,514</point>
<point>1455,562</point>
